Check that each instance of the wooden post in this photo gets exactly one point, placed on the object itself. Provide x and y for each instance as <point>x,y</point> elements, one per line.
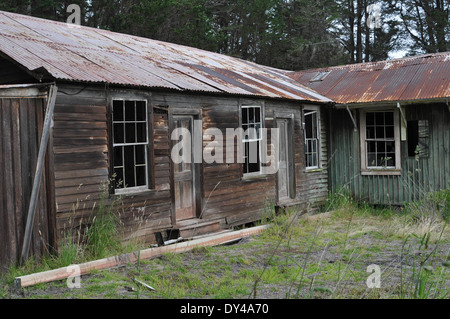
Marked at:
<point>38,174</point>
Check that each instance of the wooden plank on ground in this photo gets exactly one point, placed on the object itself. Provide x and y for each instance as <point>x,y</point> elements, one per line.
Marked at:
<point>63,273</point>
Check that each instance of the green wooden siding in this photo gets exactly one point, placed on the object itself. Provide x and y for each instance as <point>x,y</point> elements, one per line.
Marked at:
<point>419,175</point>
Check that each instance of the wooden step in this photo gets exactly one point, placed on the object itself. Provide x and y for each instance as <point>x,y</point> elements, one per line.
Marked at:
<point>195,227</point>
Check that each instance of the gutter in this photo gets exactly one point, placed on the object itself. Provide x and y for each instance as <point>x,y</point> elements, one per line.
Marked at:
<point>378,104</point>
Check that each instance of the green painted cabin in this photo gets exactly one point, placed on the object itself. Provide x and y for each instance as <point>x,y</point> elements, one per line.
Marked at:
<point>414,91</point>
<point>420,172</point>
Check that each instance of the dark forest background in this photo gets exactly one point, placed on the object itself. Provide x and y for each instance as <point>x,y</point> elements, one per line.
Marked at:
<point>287,34</point>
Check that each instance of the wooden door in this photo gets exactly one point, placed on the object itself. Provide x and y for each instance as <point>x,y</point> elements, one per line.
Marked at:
<point>21,124</point>
<point>283,176</point>
<point>185,207</point>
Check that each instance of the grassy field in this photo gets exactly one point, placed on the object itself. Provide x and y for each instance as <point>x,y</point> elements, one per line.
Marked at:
<point>337,256</point>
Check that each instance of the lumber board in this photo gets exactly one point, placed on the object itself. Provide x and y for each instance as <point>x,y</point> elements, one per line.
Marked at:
<point>63,273</point>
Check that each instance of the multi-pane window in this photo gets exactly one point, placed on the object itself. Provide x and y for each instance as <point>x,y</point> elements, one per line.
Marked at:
<point>380,139</point>
<point>251,124</point>
<point>312,137</point>
<point>130,144</point>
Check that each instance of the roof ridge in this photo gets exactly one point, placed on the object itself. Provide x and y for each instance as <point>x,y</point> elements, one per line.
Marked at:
<point>373,63</point>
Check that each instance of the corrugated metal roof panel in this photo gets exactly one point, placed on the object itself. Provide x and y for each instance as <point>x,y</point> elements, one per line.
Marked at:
<point>74,53</point>
<point>412,78</point>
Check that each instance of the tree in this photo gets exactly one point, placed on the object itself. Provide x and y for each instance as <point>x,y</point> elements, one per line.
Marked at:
<point>311,42</point>
<point>425,24</point>
<point>185,22</point>
<point>368,29</point>
<point>16,6</point>
<point>289,34</point>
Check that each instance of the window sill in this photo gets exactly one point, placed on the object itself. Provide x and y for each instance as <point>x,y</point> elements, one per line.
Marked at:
<point>134,193</point>
<point>381,171</point>
<point>253,177</point>
<point>313,170</point>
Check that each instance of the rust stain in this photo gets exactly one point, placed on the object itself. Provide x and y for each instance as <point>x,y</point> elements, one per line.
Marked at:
<point>86,54</point>
<point>411,78</point>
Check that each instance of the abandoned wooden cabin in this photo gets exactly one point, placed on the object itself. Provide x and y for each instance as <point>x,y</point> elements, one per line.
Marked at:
<point>118,98</point>
<point>389,134</point>
<point>378,130</point>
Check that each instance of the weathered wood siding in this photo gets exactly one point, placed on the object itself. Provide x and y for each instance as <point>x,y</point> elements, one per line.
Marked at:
<point>82,168</point>
<point>82,143</point>
<point>226,194</point>
<point>21,122</point>
<point>417,176</point>
<point>311,185</point>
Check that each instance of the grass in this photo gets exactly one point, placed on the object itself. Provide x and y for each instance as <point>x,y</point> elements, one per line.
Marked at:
<point>98,240</point>
<point>295,258</point>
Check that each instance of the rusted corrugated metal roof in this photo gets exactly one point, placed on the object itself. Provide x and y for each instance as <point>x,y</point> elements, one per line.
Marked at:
<point>85,54</point>
<point>412,78</point>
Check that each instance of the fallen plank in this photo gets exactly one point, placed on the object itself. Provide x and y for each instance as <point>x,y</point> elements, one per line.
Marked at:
<point>64,273</point>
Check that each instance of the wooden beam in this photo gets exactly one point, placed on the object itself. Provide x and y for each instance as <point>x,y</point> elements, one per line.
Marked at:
<point>355,127</point>
<point>39,169</point>
<point>22,91</point>
<point>64,273</point>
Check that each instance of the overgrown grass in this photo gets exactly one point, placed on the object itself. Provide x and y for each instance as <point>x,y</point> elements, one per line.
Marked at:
<point>101,234</point>
<point>297,257</point>
<point>100,239</point>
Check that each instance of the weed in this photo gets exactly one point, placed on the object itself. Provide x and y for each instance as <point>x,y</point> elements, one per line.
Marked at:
<point>101,235</point>
<point>341,199</point>
<point>424,281</point>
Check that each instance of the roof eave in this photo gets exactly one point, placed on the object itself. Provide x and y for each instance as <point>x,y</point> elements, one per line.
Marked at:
<point>390,103</point>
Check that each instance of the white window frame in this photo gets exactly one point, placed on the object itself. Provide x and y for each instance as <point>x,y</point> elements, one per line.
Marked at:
<point>379,170</point>
<point>135,189</point>
<point>257,139</point>
<point>313,109</point>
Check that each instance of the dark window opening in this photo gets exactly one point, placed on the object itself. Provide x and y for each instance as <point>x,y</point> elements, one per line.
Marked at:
<point>252,163</point>
<point>418,135</point>
<point>413,137</point>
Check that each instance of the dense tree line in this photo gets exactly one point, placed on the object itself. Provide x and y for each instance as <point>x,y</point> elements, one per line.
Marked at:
<point>289,34</point>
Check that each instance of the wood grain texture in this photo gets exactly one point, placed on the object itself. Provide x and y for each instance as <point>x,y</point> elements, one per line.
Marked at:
<point>21,126</point>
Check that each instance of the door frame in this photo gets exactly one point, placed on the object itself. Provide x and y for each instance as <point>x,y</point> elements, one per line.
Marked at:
<point>197,176</point>
<point>290,117</point>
